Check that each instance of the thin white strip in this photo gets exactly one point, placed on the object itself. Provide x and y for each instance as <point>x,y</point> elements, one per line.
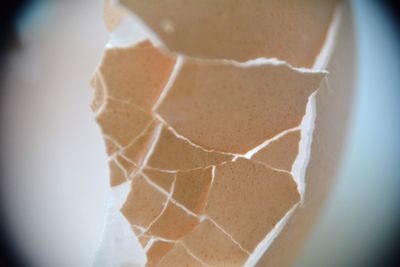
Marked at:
<point>250,154</point>
<point>170,82</point>
<point>272,168</point>
<point>161,170</point>
<point>157,238</point>
<point>213,170</point>
<point>153,143</point>
<point>303,157</point>
<point>259,62</point>
<point>325,54</point>
<point>148,245</point>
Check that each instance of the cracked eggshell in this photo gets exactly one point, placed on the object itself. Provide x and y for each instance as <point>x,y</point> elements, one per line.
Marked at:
<point>249,94</point>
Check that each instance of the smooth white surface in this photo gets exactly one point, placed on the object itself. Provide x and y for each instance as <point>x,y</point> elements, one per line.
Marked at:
<point>56,185</point>
<point>119,246</point>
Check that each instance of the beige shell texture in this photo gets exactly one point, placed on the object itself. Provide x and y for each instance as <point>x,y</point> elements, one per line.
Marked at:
<point>207,128</point>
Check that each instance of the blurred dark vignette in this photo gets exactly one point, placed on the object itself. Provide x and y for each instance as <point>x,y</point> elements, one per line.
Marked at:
<point>11,11</point>
<point>391,255</point>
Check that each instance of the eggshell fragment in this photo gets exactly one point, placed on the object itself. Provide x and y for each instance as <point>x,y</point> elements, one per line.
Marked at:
<point>136,230</point>
<point>111,146</point>
<point>143,240</point>
<point>174,223</point>
<point>136,74</point>
<point>117,175</point>
<point>127,166</point>
<point>144,203</point>
<point>99,93</point>
<point>174,153</point>
<point>136,150</point>
<point>230,108</point>
<point>192,188</point>
<point>199,196</point>
<point>157,251</point>
<point>290,30</point>
<point>214,247</point>
<point>122,122</point>
<point>247,199</point>
<point>281,153</point>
